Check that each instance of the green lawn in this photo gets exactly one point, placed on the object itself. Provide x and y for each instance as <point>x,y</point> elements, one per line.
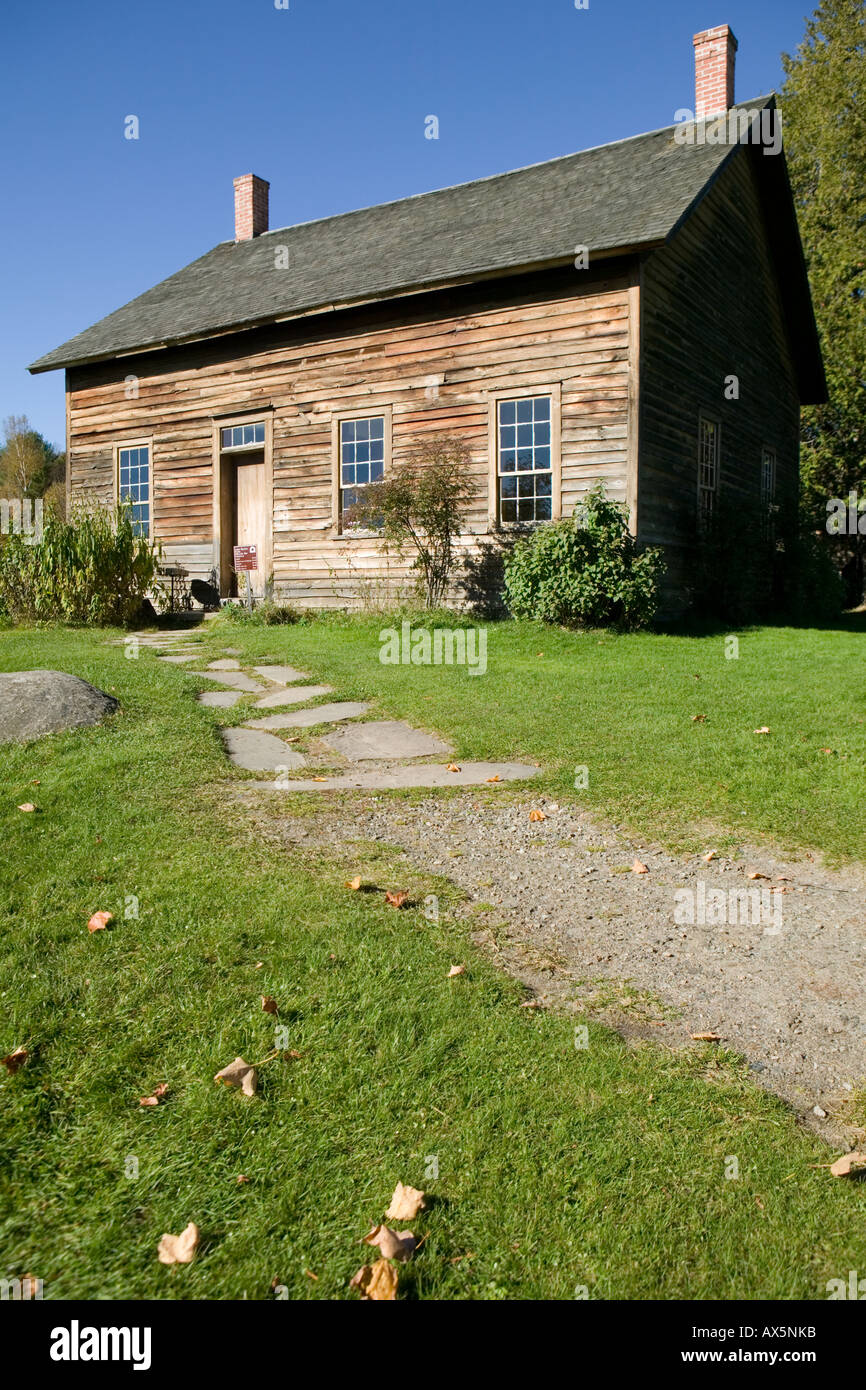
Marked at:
<point>557,1167</point>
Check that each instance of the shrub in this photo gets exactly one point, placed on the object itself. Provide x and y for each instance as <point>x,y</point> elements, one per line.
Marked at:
<point>420,504</point>
<point>266,614</point>
<point>584,571</point>
<point>813,590</point>
<point>92,569</point>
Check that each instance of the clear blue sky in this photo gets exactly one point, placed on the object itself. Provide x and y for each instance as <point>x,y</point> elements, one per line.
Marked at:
<point>326,99</point>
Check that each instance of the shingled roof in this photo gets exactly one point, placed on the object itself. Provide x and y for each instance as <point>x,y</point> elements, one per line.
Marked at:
<point>633,193</point>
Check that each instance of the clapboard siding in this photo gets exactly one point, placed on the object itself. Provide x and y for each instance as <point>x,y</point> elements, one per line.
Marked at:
<point>712,308</point>
<point>433,359</point>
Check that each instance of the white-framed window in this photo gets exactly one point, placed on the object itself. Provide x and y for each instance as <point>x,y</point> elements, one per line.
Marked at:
<point>768,478</point>
<point>362,446</point>
<point>133,483</point>
<point>709,440</point>
<point>243,436</point>
<point>524,459</point>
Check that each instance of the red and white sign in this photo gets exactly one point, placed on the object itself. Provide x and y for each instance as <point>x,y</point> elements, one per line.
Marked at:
<point>246,557</point>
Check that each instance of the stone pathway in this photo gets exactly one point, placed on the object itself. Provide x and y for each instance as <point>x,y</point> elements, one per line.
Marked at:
<point>400,754</point>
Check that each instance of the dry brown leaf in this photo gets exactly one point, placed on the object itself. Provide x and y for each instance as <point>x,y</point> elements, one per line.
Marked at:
<point>405,1204</point>
<point>757,874</point>
<point>269,1005</point>
<point>354,883</point>
<point>393,1245</point>
<point>310,1275</point>
<point>242,1178</point>
<point>848,1163</point>
<point>537,815</point>
<point>639,868</point>
<point>14,1060</point>
<point>157,1095</point>
<point>453,767</point>
<point>239,1073</point>
<point>763,730</point>
<point>99,921</point>
<point>699,719</point>
<point>494,778</point>
<point>396,899</point>
<point>706,1037</point>
<point>179,1250</point>
<point>320,779</point>
<point>456,970</point>
<point>711,854</point>
<point>377,1282</point>
<point>27,806</point>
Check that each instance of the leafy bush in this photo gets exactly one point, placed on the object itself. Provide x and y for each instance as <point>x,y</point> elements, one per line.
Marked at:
<point>92,569</point>
<point>419,503</point>
<point>266,614</point>
<point>584,571</point>
<point>812,588</point>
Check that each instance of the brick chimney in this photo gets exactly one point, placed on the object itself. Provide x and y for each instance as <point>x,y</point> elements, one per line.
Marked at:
<point>715,56</point>
<point>251,207</point>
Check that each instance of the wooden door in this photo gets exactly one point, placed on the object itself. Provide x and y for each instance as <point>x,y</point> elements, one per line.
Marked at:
<point>254,519</point>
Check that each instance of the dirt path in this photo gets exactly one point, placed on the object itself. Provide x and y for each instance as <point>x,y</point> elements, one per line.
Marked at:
<point>781,979</point>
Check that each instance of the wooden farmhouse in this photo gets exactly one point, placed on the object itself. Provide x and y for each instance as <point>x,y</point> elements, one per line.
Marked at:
<point>637,313</point>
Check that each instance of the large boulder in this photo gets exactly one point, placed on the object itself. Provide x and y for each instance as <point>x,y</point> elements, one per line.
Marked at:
<point>34,703</point>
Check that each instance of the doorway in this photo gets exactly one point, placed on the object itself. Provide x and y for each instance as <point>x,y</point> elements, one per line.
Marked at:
<point>246,509</point>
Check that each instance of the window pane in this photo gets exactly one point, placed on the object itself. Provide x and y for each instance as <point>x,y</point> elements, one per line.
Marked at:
<point>348,428</point>
<point>362,429</point>
<point>524,458</point>
<point>524,411</point>
<point>526,486</point>
<point>526,511</point>
<point>377,449</point>
<point>542,433</point>
<point>377,471</point>
<point>508,461</point>
<point>543,509</point>
<point>260,433</point>
<point>509,511</point>
<point>542,407</point>
<point>377,428</point>
<point>542,458</point>
<point>348,474</point>
<point>542,485</point>
<point>509,485</point>
<point>507,412</point>
<point>508,436</point>
<point>362,473</point>
<point>524,436</point>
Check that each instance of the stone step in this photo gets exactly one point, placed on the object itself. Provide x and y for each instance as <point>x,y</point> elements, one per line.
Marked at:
<point>281,675</point>
<point>295,696</point>
<point>384,739</point>
<point>259,752</point>
<point>236,679</point>
<point>395,778</point>
<point>219,699</point>
<point>307,718</point>
<point>227,663</point>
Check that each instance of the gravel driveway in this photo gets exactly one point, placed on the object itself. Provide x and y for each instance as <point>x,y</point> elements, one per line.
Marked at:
<point>680,949</point>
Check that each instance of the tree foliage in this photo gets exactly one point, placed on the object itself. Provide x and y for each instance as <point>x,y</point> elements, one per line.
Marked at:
<point>29,465</point>
<point>824,110</point>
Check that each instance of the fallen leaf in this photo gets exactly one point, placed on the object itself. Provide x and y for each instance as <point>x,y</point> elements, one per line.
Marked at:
<point>396,899</point>
<point>157,1095</point>
<point>405,1204</point>
<point>30,1286</point>
<point>393,1245</point>
<point>258,965</point>
<point>179,1250</point>
<point>531,1004</point>
<point>847,1164</point>
<point>537,815</point>
<point>709,856</point>
<point>759,1204</point>
<point>239,1073</point>
<point>28,806</point>
<point>823,750</point>
<point>763,730</point>
<point>377,1282</point>
<point>36,782</point>
<point>354,883</point>
<point>310,1275</point>
<point>320,779</point>
<point>15,1060</point>
<point>706,1037</point>
<point>99,921</point>
<point>268,1004</point>
<point>456,970</point>
<point>242,1178</point>
<point>639,868</point>
<point>453,767</point>
<point>699,719</point>
<point>494,778</point>
<point>757,874</point>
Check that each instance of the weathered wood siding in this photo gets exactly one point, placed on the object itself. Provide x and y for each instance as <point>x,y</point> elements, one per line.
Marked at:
<point>711,308</point>
<point>432,359</point>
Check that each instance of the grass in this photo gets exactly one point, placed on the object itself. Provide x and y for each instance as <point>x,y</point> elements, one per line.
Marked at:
<point>557,1167</point>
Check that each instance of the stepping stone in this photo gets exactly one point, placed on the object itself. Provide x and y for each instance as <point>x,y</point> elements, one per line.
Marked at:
<point>219,699</point>
<point>179,660</point>
<point>232,651</point>
<point>236,679</point>
<point>281,675</point>
<point>394,778</point>
<point>295,696</point>
<point>257,752</point>
<point>384,739</point>
<point>229,664</point>
<point>306,718</point>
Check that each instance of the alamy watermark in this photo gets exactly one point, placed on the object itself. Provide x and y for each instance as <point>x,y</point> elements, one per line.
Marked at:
<point>447,646</point>
<point>846,518</point>
<point>735,127</point>
<point>716,907</point>
<point>21,516</point>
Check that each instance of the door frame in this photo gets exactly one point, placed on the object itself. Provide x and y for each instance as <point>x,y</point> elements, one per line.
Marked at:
<point>261,416</point>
